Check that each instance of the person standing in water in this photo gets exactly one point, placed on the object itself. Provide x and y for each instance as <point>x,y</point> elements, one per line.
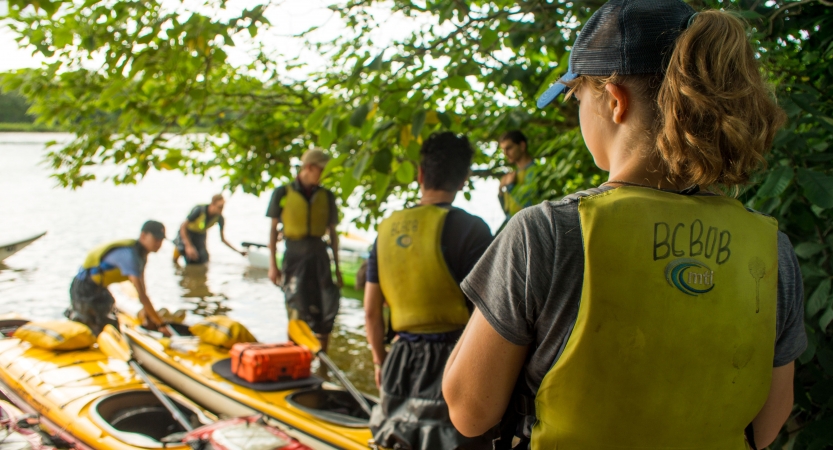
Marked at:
<point>307,213</point>
<point>91,303</point>
<point>415,266</point>
<point>518,188</point>
<point>652,312</point>
<point>191,239</point>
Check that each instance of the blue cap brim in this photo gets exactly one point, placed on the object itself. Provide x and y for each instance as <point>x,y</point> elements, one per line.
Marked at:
<point>556,89</point>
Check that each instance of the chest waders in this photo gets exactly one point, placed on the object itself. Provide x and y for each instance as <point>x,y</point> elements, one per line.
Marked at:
<point>418,286</point>
<point>302,218</point>
<point>109,276</point>
<point>675,335</point>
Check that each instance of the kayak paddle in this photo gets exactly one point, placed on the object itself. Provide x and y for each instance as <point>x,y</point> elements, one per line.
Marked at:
<point>301,334</point>
<point>115,345</point>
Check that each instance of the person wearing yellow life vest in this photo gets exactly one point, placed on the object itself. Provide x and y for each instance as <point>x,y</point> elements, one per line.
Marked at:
<point>652,312</point>
<point>91,303</point>
<point>190,241</point>
<point>419,258</point>
<point>518,189</point>
<point>307,212</point>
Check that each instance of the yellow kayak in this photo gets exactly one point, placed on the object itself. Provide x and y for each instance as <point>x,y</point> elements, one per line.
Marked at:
<point>321,416</point>
<point>87,399</point>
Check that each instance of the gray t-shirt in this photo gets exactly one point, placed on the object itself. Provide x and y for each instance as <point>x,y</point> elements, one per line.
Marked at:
<point>528,286</point>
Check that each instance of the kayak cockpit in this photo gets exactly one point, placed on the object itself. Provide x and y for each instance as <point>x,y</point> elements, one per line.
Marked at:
<point>138,418</point>
<point>332,405</point>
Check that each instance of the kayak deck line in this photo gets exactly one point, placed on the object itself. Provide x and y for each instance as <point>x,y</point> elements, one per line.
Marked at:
<point>307,439</point>
<point>190,373</point>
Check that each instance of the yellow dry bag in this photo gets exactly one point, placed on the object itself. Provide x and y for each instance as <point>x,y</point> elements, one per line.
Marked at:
<point>302,218</point>
<point>221,331</point>
<point>56,335</point>
<point>675,335</point>
<point>420,290</point>
<point>100,275</point>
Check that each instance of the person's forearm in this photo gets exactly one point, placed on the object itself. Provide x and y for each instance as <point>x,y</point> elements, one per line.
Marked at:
<point>150,312</point>
<point>228,244</point>
<point>334,246</point>
<point>374,322</point>
<point>273,244</point>
<point>183,234</point>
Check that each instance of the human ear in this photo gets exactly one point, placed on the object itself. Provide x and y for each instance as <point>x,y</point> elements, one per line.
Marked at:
<point>419,176</point>
<point>617,102</point>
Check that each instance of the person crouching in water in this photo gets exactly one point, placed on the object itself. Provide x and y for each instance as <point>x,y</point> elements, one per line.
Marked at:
<point>419,258</point>
<point>652,312</point>
<point>191,239</point>
<point>91,303</point>
<point>307,212</point>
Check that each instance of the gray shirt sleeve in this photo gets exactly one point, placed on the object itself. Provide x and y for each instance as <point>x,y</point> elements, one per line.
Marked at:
<point>790,337</point>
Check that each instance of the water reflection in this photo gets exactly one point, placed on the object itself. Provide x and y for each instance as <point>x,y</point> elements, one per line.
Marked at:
<point>196,292</point>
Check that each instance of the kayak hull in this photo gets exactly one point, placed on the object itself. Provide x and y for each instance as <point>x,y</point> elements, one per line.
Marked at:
<point>10,248</point>
<point>190,373</point>
<point>71,391</point>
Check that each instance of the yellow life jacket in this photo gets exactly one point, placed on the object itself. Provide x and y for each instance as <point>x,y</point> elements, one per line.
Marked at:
<point>675,335</point>
<point>418,286</point>
<point>512,202</point>
<point>203,223</point>
<point>302,218</point>
<point>105,276</point>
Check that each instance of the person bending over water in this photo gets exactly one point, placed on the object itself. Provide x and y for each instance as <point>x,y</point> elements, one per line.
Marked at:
<point>190,241</point>
<point>91,303</point>
<point>651,312</point>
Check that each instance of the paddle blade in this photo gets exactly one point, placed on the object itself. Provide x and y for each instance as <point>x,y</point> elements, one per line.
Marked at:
<point>301,334</point>
<point>112,343</point>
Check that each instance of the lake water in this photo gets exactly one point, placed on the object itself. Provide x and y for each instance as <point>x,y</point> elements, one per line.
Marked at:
<point>35,281</point>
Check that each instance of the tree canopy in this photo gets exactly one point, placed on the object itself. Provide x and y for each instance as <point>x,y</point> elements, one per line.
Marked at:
<point>148,87</point>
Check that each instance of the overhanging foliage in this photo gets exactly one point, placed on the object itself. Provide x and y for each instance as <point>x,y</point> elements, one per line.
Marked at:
<point>130,75</point>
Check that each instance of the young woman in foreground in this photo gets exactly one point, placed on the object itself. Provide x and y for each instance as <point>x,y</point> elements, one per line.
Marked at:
<point>650,312</point>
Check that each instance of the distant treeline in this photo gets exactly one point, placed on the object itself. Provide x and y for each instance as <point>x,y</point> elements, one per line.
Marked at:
<point>13,109</point>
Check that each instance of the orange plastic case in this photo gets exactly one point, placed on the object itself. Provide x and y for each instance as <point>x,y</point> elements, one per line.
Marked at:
<point>257,363</point>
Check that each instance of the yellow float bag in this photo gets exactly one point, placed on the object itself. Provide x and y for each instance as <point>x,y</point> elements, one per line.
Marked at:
<point>675,335</point>
<point>302,218</point>
<point>56,335</point>
<point>418,286</point>
<point>201,224</point>
<point>93,263</point>
<point>221,331</point>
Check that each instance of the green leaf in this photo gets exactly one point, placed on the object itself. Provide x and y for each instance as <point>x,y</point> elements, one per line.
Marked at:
<point>418,122</point>
<point>380,186</point>
<point>458,82</point>
<point>777,182</point>
<point>382,161</point>
<point>376,64</point>
<point>361,165</point>
<point>818,187</point>
<point>348,184</point>
<point>359,115</point>
<point>819,300</point>
<point>488,37</point>
<point>444,119</point>
<point>824,321</point>
<point>807,249</point>
<point>315,119</point>
<point>405,173</point>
